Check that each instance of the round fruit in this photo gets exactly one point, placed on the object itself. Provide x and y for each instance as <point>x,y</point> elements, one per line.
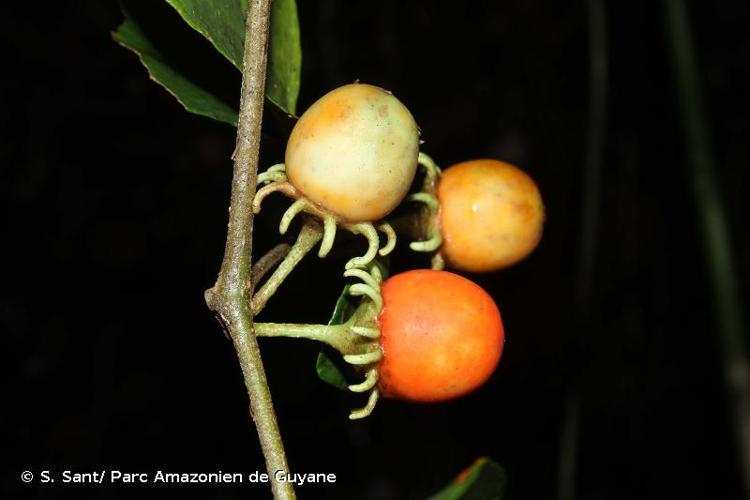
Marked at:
<point>354,152</point>
<point>441,336</point>
<point>491,215</point>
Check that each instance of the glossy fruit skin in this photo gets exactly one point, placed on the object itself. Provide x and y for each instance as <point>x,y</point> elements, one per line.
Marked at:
<point>354,152</point>
<point>491,215</point>
<point>441,335</point>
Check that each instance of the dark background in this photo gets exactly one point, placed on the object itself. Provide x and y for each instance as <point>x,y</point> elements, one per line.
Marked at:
<point>114,216</point>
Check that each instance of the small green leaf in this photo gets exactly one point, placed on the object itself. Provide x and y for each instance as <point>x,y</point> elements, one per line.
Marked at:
<point>222,22</point>
<point>384,264</point>
<point>328,371</point>
<point>343,309</point>
<point>482,480</point>
<point>178,61</point>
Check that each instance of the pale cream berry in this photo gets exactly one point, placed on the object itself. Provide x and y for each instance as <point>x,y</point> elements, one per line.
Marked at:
<point>354,152</point>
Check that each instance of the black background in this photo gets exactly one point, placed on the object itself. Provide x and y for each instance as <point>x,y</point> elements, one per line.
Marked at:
<point>114,216</point>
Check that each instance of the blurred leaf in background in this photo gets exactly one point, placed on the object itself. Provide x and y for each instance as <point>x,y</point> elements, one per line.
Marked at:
<point>482,480</point>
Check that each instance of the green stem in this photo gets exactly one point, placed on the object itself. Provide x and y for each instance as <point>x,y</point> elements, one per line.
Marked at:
<point>229,296</point>
<point>268,261</point>
<point>308,237</point>
<point>336,336</point>
<point>716,233</point>
<point>351,338</point>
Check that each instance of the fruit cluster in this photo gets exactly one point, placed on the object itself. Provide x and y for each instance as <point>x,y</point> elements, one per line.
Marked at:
<point>422,335</point>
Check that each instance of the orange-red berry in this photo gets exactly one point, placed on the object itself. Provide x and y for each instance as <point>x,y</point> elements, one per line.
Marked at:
<point>441,336</point>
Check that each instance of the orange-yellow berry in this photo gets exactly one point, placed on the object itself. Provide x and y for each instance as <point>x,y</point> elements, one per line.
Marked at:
<point>491,215</point>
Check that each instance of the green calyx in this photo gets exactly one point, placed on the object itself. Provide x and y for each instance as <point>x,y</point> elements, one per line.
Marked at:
<point>357,339</point>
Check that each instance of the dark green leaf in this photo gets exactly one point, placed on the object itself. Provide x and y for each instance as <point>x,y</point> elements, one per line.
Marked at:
<point>482,480</point>
<point>189,69</point>
<point>179,61</point>
<point>222,22</point>
<point>284,56</point>
<point>327,369</point>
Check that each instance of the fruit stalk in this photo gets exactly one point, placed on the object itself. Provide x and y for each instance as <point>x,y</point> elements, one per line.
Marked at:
<point>336,336</point>
<point>354,337</point>
<point>269,260</point>
<point>229,297</point>
<point>308,237</point>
